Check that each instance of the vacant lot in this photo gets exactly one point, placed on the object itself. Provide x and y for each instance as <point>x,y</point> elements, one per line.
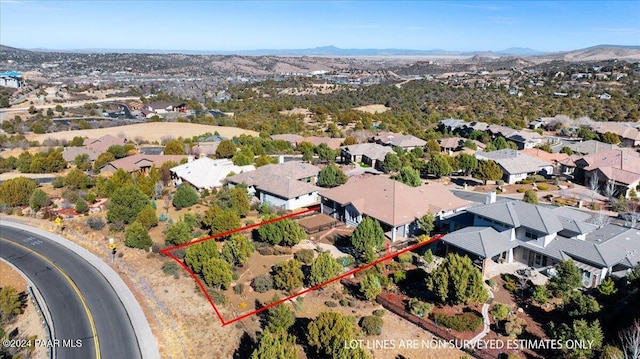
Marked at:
<point>372,108</point>
<point>152,131</point>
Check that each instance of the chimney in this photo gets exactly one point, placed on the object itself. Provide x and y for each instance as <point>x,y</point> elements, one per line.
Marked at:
<point>491,198</point>
<point>281,159</point>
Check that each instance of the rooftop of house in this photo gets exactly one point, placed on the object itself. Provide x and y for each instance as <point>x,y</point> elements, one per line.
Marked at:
<point>371,150</point>
<point>451,142</point>
<point>453,123</point>
<point>333,143</point>
<point>591,146</point>
<point>621,159</point>
<point>399,140</point>
<point>393,202</point>
<point>524,136</point>
<point>136,162</point>
<point>282,179</point>
<point>623,130</point>
<point>103,143</point>
<point>544,155</point>
<point>70,153</point>
<point>208,173</point>
<point>502,130</point>
<point>485,242</point>
<point>513,161</point>
<point>520,214</point>
<point>288,137</point>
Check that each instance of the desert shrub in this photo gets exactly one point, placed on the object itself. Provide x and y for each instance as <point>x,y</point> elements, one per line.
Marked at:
<point>500,182</point>
<point>217,296</point>
<point>238,289</point>
<point>95,223</point>
<point>419,308</point>
<point>525,181</point>
<point>305,256</point>
<point>379,312</point>
<point>543,186</point>
<point>170,267</point>
<point>330,304</point>
<point>371,325</point>
<point>464,322</point>
<point>521,190</point>
<point>535,178</point>
<point>541,294</point>
<point>343,302</point>
<point>492,283</point>
<point>346,260</point>
<point>405,258</point>
<point>399,276</point>
<point>510,283</point>
<point>262,283</point>
<point>266,251</point>
<point>186,196</point>
<point>279,251</point>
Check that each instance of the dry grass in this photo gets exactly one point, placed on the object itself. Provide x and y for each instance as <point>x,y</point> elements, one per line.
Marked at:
<point>372,108</point>
<point>151,131</point>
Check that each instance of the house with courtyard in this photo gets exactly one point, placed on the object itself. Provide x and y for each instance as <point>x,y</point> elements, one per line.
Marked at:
<point>370,154</point>
<point>540,237</point>
<point>206,173</point>
<point>516,165</point>
<point>287,185</point>
<point>620,167</point>
<point>395,205</point>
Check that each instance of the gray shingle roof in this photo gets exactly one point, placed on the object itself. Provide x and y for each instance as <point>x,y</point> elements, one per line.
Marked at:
<point>485,242</point>
<point>280,179</point>
<point>518,213</point>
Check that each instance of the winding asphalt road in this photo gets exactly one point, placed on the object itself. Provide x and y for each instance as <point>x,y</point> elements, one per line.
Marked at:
<point>83,305</point>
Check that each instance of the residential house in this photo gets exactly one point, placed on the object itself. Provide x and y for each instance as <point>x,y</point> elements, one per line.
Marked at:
<point>294,140</point>
<point>629,135</point>
<point>620,167</point>
<point>452,125</point>
<point>499,130</point>
<point>162,107</point>
<point>395,205</point>
<point>287,185</point>
<point>140,162</point>
<point>70,153</point>
<point>205,173</point>
<point>541,237</point>
<point>541,122</point>
<point>516,165</point>
<point>371,154</point>
<point>102,143</point>
<point>524,139</point>
<point>406,142</point>
<point>553,158</point>
<point>590,147</point>
<point>451,144</point>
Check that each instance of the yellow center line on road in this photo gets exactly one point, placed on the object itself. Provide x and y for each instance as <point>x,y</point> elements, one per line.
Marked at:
<point>75,288</point>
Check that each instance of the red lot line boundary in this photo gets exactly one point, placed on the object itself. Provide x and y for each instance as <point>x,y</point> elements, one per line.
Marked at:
<point>167,252</point>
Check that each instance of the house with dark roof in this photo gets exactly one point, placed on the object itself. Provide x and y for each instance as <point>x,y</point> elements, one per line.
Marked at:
<point>287,185</point>
<point>541,237</point>
<point>591,147</point>
<point>406,142</point>
<point>516,165</point>
<point>371,154</point>
<point>394,204</point>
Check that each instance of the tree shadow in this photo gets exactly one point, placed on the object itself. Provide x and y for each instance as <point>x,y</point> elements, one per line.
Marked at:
<point>245,348</point>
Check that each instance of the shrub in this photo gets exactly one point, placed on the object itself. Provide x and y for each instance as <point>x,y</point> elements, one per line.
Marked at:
<point>541,294</point>
<point>500,182</point>
<point>330,304</point>
<point>399,276</point>
<point>492,283</point>
<point>305,256</point>
<point>520,190</point>
<point>464,322</point>
<point>346,260</point>
<point>262,283</point>
<point>371,325</point>
<point>170,267</point>
<point>510,283</point>
<point>405,258</point>
<point>238,289</point>
<point>137,237</point>
<point>535,178</point>
<point>95,223</point>
<point>217,296</point>
<point>419,308</point>
<point>186,196</point>
<point>379,312</point>
<point>543,186</point>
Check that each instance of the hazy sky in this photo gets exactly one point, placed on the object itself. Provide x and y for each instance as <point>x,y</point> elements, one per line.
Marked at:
<point>249,25</point>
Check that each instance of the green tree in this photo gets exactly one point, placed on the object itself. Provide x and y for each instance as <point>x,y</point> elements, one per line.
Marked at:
<point>285,232</point>
<point>82,162</point>
<point>457,280</point>
<point>280,318</point>
<point>54,162</point>
<point>487,171</point>
<point>567,280</point>
<point>331,176</point>
<point>239,201</point>
<point>580,305</point>
<point>137,237</point>
<point>17,191</point>
<point>567,150</point>
<point>118,151</point>
<point>174,147</point>
<point>147,217</point>
<point>77,179</point>
<point>217,220</point>
<point>125,204</point>
<point>433,146</point>
<point>39,199</point>
<point>226,149</point>
<point>237,249</point>
<point>81,206</point>
<point>324,267</point>
<point>325,154</point>
<point>438,166</point>
<point>500,143</point>
<point>467,163</point>
<point>610,137</point>
<point>178,233</point>
<point>288,275</point>
<point>409,176</point>
<point>392,162</point>
<point>545,147</point>
<point>102,160</point>
<point>243,158</point>
<point>77,141</point>
<point>197,254</point>
<point>10,303</point>
<point>580,330</point>
<point>427,223</point>
<point>367,239</point>
<point>275,346</point>
<point>327,334</point>
<point>499,312</point>
<point>265,160</point>
<point>370,286</point>
<point>607,287</point>
<point>185,197</point>
<point>541,294</point>
<point>530,196</point>
<point>216,272</point>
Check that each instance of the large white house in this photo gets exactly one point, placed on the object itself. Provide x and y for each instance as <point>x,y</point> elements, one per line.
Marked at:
<point>205,173</point>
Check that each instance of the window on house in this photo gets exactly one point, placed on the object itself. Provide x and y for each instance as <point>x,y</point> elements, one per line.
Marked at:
<point>531,235</point>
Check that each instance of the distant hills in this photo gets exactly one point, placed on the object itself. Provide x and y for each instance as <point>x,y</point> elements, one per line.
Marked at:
<point>599,52</point>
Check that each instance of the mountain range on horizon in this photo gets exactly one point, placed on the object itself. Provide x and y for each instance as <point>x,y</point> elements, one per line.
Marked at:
<point>336,51</point>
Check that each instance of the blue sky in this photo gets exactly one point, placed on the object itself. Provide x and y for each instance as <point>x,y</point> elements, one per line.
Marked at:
<point>249,25</point>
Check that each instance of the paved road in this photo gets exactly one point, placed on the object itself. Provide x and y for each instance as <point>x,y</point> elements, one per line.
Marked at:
<point>81,301</point>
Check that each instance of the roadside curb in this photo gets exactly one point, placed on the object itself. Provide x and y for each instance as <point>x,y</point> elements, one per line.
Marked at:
<point>146,341</point>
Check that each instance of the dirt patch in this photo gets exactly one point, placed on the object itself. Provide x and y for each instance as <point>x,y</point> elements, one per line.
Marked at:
<point>152,131</point>
<point>373,108</point>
